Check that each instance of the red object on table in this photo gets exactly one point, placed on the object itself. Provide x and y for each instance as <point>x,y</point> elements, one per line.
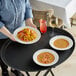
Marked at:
<point>43,26</point>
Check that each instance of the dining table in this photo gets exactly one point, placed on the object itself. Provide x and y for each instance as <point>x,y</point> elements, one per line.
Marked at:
<point>20,56</point>
<point>63,9</point>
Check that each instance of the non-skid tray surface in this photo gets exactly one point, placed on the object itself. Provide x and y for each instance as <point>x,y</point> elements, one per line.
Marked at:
<point>19,56</point>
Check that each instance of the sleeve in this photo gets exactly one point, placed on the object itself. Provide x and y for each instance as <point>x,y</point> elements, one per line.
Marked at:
<point>1,23</point>
<point>28,8</point>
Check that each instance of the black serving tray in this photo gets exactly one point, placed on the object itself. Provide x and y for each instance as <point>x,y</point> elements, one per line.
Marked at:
<point>20,56</point>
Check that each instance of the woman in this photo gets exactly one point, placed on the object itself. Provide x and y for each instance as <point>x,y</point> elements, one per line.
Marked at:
<point>12,15</point>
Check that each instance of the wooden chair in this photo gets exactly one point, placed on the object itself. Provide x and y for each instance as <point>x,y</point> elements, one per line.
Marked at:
<point>73,20</point>
<point>46,15</point>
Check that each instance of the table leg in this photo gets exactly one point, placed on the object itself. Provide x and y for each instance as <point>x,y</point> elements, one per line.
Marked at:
<point>46,73</point>
<point>52,72</point>
<point>49,70</point>
<point>27,73</point>
<point>38,73</point>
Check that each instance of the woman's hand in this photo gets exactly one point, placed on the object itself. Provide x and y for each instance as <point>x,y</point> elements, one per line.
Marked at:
<point>33,25</point>
<point>29,22</point>
<point>12,37</point>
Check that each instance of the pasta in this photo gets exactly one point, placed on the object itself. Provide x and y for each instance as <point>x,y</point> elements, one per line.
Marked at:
<point>45,58</point>
<point>27,35</point>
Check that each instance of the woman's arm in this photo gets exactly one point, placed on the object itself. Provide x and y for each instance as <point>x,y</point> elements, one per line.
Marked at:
<point>28,12</point>
<point>29,22</point>
<point>3,29</point>
<point>6,32</point>
<point>29,15</point>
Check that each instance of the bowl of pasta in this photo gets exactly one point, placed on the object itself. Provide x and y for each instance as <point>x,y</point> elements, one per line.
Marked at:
<point>27,35</point>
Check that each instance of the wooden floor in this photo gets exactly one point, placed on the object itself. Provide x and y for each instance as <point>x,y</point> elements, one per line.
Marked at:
<point>68,68</point>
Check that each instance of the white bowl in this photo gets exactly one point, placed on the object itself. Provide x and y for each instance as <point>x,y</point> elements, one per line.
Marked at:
<point>42,51</point>
<point>61,37</point>
<point>30,42</point>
